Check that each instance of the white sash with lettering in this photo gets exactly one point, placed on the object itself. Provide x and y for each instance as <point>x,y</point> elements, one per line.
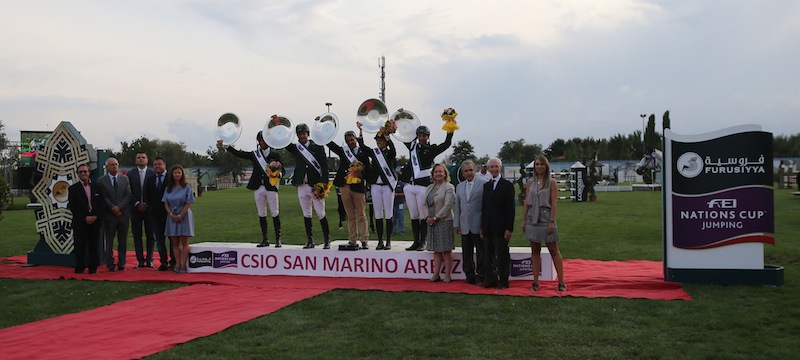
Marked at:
<point>262,159</point>
<point>349,153</point>
<point>418,174</point>
<point>309,158</point>
<point>385,167</point>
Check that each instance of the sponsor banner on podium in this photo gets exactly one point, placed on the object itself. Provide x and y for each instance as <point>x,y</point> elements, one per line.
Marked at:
<point>247,259</point>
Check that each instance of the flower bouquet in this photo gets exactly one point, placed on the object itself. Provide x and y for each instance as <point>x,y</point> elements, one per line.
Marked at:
<point>274,172</point>
<point>354,172</point>
<point>449,118</point>
<point>321,190</point>
<point>388,128</point>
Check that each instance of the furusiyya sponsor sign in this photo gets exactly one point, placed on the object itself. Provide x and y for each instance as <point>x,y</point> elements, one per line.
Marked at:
<point>719,203</point>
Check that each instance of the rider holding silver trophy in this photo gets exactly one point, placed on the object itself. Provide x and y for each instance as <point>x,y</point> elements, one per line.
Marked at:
<point>354,164</point>
<point>372,117</point>
<point>311,177</point>
<point>417,172</point>
<point>265,178</point>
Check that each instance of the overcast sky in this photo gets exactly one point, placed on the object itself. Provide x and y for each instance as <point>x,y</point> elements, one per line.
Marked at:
<point>536,70</point>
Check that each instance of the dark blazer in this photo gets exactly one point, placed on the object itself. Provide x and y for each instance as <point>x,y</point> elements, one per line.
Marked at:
<point>375,171</point>
<point>302,169</point>
<point>122,197</point>
<point>259,176</point>
<point>344,167</point>
<point>153,195</point>
<point>427,154</point>
<point>497,214</point>
<point>136,185</point>
<point>79,204</point>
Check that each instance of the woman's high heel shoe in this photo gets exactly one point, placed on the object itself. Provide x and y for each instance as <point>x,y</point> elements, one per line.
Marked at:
<point>436,279</point>
<point>562,287</point>
<point>535,286</point>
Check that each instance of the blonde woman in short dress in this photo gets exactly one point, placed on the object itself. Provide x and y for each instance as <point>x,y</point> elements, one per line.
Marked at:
<point>539,223</point>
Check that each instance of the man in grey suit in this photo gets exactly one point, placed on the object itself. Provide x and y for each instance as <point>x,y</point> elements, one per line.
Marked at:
<point>467,221</point>
<point>117,191</point>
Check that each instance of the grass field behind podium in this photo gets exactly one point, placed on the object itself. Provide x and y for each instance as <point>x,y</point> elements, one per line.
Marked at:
<point>723,322</point>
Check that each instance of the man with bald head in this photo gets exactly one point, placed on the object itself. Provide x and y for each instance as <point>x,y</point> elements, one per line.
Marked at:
<point>117,195</point>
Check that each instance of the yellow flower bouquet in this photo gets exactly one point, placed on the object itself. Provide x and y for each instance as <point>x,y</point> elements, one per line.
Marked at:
<point>321,190</point>
<point>274,172</point>
<point>388,128</point>
<point>449,118</point>
<point>354,172</point>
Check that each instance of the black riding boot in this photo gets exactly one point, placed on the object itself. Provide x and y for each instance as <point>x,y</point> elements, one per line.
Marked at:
<point>264,232</point>
<point>379,230</point>
<point>326,233</point>
<point>389,229</point>
<point>276,223</point>
<point>415,231</point>
<point>423,234</point>
<point>309,234</point>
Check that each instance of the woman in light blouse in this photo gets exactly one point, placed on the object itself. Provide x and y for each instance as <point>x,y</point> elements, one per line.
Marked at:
<point>439,199</point>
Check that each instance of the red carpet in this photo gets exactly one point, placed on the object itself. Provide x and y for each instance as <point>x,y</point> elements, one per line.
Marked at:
<point>218,301</point>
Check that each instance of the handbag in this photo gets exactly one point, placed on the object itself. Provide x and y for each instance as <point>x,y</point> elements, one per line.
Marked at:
<point>544,215</point>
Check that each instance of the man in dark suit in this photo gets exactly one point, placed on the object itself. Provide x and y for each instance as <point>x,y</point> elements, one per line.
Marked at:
<point>265,194</point>
<point>140,210</point>
<point>311,168</point>
<point>117,213</point>
<point>497,223</point>
<point>467,221</point>
<point>154,190</point>
<point>86,203</point>
<point>353,195</point>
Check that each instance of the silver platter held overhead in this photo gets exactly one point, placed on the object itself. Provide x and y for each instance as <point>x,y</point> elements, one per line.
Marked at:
<point>325,128</point>
<point>407,124</point>
<point>372,114</point>
<point>278,132</point>
<point>229,128</point>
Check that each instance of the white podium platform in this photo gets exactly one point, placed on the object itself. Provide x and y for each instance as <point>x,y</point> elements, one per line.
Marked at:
<point>247,259</point>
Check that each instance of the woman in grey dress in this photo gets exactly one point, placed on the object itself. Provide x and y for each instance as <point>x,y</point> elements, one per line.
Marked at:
<point>439,199</point>
<point>539,226</point>
<point>180,221</point>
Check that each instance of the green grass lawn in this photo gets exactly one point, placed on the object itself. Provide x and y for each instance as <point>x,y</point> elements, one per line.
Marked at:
<point>723,322</point>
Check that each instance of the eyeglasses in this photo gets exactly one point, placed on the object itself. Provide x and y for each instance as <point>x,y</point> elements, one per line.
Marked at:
<point>82,171</point>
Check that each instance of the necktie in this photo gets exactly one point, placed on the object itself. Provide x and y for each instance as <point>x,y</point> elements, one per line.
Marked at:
<point>469,188</point>
<point>141,184</point>
<point>158,183</point>
<point>114,182</point>
<point>494,184</point>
